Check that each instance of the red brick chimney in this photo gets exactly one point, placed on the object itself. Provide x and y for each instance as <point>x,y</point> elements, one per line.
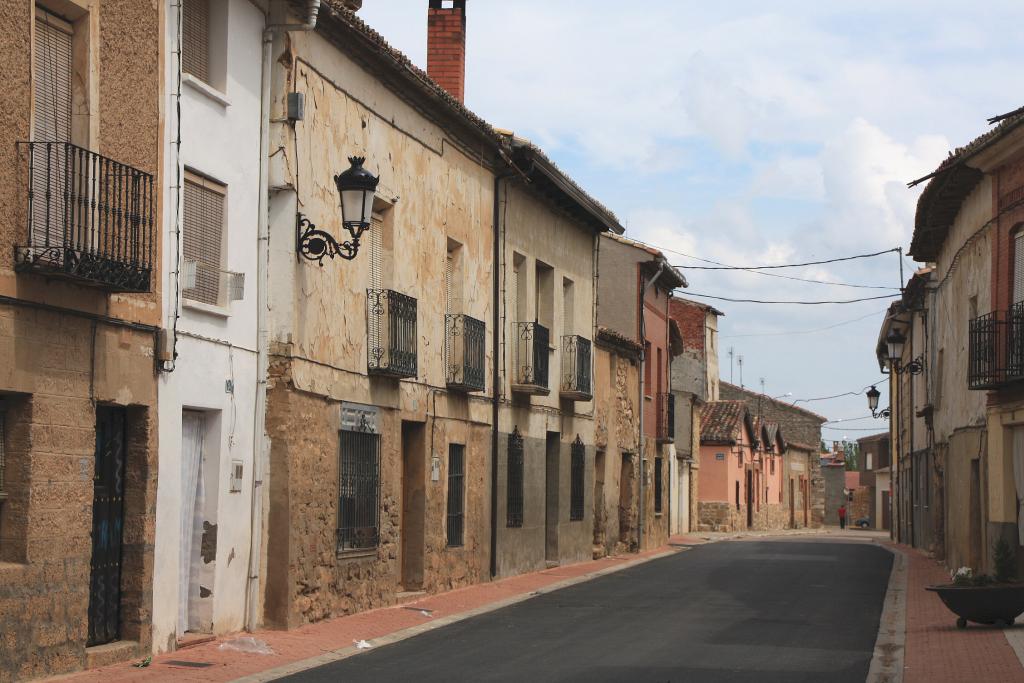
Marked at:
<point>446,45</point>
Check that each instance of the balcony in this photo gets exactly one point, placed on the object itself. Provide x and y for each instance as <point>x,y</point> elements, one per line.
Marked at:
<point>464,344</point>
<point>90,218</point>
<point>996,349</point>
<point>530,358</point>
<point>390,333</point>
<point>576,379</point>
<point>665,419</point>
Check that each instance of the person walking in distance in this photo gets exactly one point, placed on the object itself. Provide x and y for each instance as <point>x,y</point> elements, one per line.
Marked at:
<point>842,516</point>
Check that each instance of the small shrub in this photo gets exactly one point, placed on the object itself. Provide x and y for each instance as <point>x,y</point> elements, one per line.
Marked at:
<point>1005,562</point>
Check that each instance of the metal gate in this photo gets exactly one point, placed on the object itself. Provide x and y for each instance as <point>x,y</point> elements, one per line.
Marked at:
<point>107,526</point>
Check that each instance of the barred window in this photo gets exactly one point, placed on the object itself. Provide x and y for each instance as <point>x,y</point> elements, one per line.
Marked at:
<point>514,503</point>
<point>577,467</point>
<point>3,441</point>
<point>456,493</point>
<point>658,479</point>
<point>203,237</point>
<point>359,491</point>
<point>195,39</point>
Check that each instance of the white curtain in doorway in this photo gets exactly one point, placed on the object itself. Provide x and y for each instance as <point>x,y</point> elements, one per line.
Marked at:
<point>192,427</point>
<point>1018,479</point>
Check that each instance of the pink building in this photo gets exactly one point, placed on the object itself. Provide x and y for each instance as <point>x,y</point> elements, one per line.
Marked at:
<point>741,470</point>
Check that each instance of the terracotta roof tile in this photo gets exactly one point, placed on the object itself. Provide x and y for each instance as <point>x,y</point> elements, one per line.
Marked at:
<point>721,421</point>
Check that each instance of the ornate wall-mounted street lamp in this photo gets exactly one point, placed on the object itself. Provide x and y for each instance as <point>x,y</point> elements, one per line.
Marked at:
<point>873,396</point>
<point>896,341</point>
<point>357,188</point>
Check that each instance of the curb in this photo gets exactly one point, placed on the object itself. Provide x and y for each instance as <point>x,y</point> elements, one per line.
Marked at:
<point>887,660</point>
<point>403,634</point>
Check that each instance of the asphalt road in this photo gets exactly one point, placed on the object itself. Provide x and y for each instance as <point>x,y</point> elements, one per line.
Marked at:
<point>762,611</point>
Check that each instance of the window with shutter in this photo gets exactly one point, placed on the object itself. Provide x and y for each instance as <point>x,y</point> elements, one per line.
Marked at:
<point>195,39</point>
<point>51,100</point>
<point>1018,266</point>
<point>53,71</point>
<point>203,237</point>
<point>377,252</point>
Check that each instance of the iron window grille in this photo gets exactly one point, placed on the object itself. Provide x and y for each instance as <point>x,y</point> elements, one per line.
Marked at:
<point>514,492</point>
<point>464,341</point>
<point>1015,364</point>
<point>391,333</point>
<point>577,468</point>
<point>3,441</point>
<point>90,218</point>
<point>456,493</point>
<point>576,364</point>
<point>530,358</point>
<point>658,482</point>
<point>359,490</point>
<point>666,416</point>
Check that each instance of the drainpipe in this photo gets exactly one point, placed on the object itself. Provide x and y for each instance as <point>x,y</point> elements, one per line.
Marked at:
<point>495,365</point>
<point>643,360</point>
<point>260,441</point>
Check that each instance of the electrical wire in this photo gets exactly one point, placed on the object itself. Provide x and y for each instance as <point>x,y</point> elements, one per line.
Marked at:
<point>795,303</point>
<point>848,393</point>
<point>758,272</point>
<point>786,334</point>
<point>854,429</point>
<point>794,265</point>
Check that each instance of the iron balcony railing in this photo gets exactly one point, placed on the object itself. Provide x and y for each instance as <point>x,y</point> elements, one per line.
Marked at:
<point>530,358</point>
<point>90,218</point>
<point>464,339</point>
<point>576,378</point>
<point>666,416</point>
<point>996,348</point>
<point>391,333</point>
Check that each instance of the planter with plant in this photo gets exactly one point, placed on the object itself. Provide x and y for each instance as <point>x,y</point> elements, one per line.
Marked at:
<point>985,599</point>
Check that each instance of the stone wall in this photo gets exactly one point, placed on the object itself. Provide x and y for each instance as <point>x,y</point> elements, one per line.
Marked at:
<point>54,370</point>
<point>720,516</point>
<point>308,579</point>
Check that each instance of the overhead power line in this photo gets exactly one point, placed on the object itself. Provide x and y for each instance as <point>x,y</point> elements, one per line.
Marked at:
<point>854,429</point>
<point>847,393</point>
<point>793,265</point>
<point>786,334</point>
<point>758,272</point>
<point>795,303</point>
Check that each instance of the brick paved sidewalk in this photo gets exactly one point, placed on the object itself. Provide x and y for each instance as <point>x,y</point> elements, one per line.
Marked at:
<point>328,636</point>
<point>937,651</point>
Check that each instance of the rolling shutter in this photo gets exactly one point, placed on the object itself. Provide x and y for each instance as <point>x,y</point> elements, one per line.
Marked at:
<point>195,39</point>
<point>377,252</point>
<point>1018,266</point>
<point>52,91</point>
<point>203,237</point>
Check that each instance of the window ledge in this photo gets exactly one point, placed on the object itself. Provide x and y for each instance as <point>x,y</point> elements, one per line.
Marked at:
<point>205,89</point>
<point>210,309</point>
<point>357,554</point>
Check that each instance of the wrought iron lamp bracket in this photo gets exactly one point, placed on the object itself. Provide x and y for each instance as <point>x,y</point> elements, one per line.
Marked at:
<point>314,244</point>
<point>914,367</point>
<point>883,414</point>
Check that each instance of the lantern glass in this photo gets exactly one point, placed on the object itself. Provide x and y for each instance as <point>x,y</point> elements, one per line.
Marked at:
<point>356,207</point>
<point>357,187</point>
<point>895,341</point>
<point>873,395</point>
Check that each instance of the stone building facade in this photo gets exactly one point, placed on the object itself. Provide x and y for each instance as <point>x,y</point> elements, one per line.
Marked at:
<point>803,430</point>
<point>956,434</point>
<point>616,431</point>
<point>639,311</point>
<point>694,382</point>
<point>424,435</point>
<point>79,343</point>
<point>742,470</point>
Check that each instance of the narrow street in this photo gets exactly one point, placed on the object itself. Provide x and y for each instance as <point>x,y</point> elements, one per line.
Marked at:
<point>764,610</point>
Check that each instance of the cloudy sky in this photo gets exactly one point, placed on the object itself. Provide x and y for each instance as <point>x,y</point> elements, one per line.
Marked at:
<point>749,133</point>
